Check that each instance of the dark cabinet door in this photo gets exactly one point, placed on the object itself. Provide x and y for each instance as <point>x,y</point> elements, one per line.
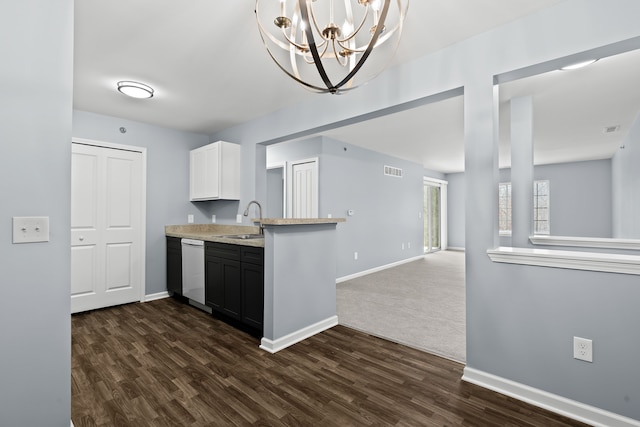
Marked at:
<point>253,286</point>
<point>174,265</point>
<point>253,290</point>
<point>222,286</point>
<point>232,289</point>
<point>214,285</point>
<point>223,290</point>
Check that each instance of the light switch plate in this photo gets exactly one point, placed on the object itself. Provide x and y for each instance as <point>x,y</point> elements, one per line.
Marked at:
<point>30,229</point>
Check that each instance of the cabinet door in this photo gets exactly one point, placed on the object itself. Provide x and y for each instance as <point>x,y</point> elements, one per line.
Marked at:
<point>232,289</point>
<point>253,295</point>
<point>204,182</point>
<point>214,284</point>
<point>174,265</point>
<point>223,290</point>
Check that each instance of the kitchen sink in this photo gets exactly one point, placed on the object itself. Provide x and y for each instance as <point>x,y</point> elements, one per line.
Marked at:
<point>245,236</point>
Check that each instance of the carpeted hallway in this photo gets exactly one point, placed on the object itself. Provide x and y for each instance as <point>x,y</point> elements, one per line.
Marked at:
<point>420,304</point>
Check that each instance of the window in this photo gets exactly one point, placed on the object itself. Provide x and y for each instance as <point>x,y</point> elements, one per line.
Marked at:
<point>541,193</point>
<point>431,217</point>
<point>504,204</point>
<point>541,207</point>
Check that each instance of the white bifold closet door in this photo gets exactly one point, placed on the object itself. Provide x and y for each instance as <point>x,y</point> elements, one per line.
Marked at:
<point>106,221</point>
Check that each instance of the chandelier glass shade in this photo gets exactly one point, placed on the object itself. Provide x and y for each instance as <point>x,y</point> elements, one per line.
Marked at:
<point>324,44</point>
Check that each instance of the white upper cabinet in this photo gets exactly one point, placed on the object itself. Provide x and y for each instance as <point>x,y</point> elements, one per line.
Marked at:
<point>215,172</point>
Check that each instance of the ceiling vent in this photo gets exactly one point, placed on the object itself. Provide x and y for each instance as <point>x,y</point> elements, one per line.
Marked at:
<point>611,129</point>
<point>391,171</point>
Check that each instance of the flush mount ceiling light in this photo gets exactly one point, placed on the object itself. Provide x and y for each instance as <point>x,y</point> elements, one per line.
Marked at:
<point>135,89</point>
<point>305,41</point>
<point>577,65</point>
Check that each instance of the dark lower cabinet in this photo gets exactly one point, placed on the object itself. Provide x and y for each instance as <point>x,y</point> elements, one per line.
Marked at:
<point>234,282</point>
<point>253,287</point>
<point>174,265</point>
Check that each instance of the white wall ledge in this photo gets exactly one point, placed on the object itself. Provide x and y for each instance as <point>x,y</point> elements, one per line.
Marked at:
<point>586,242</point>
<point>591,261</point>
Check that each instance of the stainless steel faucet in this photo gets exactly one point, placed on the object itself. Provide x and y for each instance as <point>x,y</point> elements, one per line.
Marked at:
<point>246,212</point>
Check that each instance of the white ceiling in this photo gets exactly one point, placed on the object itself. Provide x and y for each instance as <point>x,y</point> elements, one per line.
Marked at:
<point>210,71</point>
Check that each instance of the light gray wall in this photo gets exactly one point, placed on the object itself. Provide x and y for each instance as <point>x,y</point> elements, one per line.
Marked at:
<point>520,319</point>
<point>575,208</point>
<point>167,180</point>
<point>433,174</point>
<point>455,209</point>
<point>626,186</point>
<point>295,150</point>
<point>387,210</point>
<point>299,282</point>
<point>580,197</point>
<point>35,173</point>
<point>275,193</point>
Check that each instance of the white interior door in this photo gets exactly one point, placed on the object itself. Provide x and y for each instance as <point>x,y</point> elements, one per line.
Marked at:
<point>303,189</point>
<point>106,227</point>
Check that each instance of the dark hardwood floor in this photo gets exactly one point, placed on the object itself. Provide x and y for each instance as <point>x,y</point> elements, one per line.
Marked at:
<point>165,363</point>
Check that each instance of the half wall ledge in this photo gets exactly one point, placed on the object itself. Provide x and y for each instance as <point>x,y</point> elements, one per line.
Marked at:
<point>573,260</point>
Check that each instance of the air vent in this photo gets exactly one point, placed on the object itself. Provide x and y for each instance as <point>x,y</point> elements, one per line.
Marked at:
<point>611,129</point>
<point>391,171</point>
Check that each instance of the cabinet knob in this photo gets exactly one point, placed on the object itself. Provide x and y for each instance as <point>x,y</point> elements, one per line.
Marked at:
<point>81,238</point>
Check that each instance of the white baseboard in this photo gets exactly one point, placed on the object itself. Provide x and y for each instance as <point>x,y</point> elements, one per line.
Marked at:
<point>153,297</point>
<point>552,402</point>
<point>376,269</point>
<point>455,248</point>
<point>297,336</point>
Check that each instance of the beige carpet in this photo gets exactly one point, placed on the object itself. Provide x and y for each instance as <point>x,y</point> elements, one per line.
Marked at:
<point>420,304</point>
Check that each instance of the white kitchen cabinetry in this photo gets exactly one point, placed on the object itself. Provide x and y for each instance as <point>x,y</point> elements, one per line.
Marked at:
<point>215,172</point>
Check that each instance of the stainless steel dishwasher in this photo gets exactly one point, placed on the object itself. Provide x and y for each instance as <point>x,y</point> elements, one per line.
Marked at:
<point>193,270</point>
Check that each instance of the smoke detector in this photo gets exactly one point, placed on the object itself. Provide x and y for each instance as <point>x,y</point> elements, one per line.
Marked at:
<point>611,129</point>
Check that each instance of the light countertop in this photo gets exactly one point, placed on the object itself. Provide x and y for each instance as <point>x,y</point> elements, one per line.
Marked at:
<point>218,232</point>
<point>297,221</point>
<point>215,233</point>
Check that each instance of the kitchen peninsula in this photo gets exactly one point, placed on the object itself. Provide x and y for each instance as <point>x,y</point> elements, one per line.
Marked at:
<point>299,272</point>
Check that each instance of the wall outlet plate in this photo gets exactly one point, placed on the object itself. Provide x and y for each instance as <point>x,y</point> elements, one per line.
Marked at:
<point>583,349</point>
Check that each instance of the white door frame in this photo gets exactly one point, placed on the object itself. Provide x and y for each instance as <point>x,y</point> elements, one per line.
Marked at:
<point>143,207</point>
<point>289,181</point>
<point>444,242</point>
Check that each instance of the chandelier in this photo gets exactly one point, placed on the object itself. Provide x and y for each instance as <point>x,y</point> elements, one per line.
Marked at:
<point>322,44</point>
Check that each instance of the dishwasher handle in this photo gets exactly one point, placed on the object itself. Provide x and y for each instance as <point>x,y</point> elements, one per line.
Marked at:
<point>192,242</point>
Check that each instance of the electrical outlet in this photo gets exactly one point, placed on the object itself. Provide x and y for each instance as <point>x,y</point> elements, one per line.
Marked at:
<point>355,255</point>
<point>409,245</point>
<point>582,349</point>
<point>213,219</point>
<point>190,219</point>
<point>403,246</point>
